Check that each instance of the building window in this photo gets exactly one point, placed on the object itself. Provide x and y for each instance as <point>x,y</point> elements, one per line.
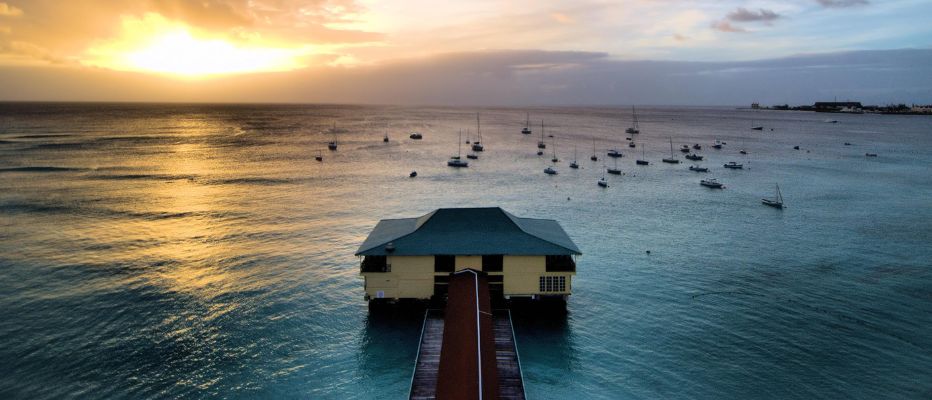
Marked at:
<point>375,264</point>
<point>493,263</point>
<point>444,263</point>
<point>553,284</point>
<point>560,264</point>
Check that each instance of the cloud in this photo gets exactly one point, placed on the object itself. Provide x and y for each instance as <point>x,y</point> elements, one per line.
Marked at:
<point>842,3</point>
<point>7,10</point>
<point>745,15</point>
<point>726,26</point>
<point>517,77</point>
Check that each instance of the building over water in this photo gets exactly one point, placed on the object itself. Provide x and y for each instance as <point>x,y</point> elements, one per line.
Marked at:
<point>413,258</point>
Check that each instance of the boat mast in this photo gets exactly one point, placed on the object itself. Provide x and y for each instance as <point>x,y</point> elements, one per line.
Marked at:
<point>478,130</point>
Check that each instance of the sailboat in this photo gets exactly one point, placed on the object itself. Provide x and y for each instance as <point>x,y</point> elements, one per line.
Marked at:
<point>332,145</point>
<point>455,161</point>
<point>541,144</point>
<point>527,125</point>
<point>643,160</point>
<point>467,136</point>
<point>634,129</point>
<point>320,156</point>
<point>573,164</point>
<point>554,148</point>
<point>672,159</point>
<point>615,170</point>
<point>602,181</point>
<point>477,145</point>
<point>385,138</point>
<point>777,201</point>
<point>593,157</point>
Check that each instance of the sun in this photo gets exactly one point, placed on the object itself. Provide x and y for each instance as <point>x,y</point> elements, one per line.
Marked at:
<point>153,44</point>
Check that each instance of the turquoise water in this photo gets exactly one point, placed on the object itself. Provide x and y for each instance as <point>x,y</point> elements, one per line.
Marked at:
<point>151,251</point>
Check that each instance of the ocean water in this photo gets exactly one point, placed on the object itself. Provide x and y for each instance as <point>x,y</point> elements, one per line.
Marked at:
<point>162,251</point>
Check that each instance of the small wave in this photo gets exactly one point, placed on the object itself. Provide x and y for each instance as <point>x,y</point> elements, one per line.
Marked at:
<point>155,177</point>
<point>39,169</point>
<point>54,135</point>
<point>250,181</point>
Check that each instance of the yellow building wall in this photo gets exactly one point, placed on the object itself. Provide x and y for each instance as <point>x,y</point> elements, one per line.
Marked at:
<point>413,276</point>
<point>463,262</point>
<point>522,275</point>
<point>410,278</point>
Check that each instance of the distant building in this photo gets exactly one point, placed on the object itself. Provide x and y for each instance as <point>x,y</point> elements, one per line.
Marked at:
<point>921,108</point>
<point>838,106</point>
<point>412,258</point>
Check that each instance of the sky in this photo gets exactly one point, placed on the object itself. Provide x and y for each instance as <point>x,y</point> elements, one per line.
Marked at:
<point>481,52</point>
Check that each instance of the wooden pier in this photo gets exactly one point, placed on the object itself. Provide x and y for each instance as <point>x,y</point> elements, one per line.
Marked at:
<point>479,358</point>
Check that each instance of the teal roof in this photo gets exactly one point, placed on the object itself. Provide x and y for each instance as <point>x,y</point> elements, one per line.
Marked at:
<point>468,231</point>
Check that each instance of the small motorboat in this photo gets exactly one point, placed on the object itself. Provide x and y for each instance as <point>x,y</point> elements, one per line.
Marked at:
<point>603,182</point>
<point>733,165</point>
<point>614,153</point>
<point>870,154</point>
<point>684,148</point>
<point>697,147</point>
<point>540,153</point>
<point>550,171</point>
<point>711,183</point>
<point>412,174</point>
<point>743,151</point>
<point>694,157</point>
<point>758,128</point>
<point>628,139</point>
<point>717,146</point>
<point>332,145</point>
<point>416,136</point>
<point>697,168</point>
<point>831,121</point>
<point>795,147</point>
<point>472,156</point>
<point>847,144</point>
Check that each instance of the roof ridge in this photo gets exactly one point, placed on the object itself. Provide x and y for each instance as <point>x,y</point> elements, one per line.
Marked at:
<point>521,228</point>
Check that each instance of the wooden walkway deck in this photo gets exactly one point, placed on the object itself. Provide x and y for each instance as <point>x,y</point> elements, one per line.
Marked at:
<point>424,380</point>
<point>510,380</point>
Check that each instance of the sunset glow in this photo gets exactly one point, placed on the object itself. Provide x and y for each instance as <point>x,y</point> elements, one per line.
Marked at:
<point>153,44</point>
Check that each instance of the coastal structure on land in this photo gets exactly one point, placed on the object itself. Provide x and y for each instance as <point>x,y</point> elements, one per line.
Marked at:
<point>413,258</point>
